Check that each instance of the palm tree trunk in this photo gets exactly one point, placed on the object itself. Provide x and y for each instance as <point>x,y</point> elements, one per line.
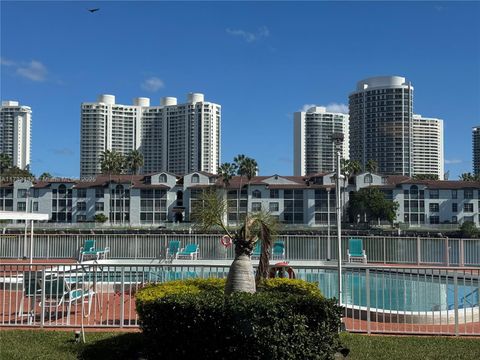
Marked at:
<point>240,277</point>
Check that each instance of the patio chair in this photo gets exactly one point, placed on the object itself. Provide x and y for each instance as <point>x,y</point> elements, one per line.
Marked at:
<point>355,250</point>
<point>58,293</point>
<point>88,249</point>
<point>278,250</point>
<point>173,249</point>
<point>191,251</point>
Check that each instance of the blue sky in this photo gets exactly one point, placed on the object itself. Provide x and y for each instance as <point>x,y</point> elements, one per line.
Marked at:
<point>261,61</point>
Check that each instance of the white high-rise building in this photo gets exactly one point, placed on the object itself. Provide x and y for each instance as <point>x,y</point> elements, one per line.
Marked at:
<point>381,111</point>
<point>15,132</point>
<point>428,157</point>
<point>314,151</point>
<point>476,149</point>
<point>181,138</point>
<point>175,138</point>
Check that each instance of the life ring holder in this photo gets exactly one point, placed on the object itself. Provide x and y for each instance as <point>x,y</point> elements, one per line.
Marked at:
<point>226,241</point>
<point>279,270</point>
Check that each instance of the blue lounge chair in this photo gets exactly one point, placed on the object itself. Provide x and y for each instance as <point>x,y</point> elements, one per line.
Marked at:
<point>257,250</point>
<point>355,250</point>
<point>191,251</point>
<point>278,251</point>
<point>88,249</point>
<point>173,249</point>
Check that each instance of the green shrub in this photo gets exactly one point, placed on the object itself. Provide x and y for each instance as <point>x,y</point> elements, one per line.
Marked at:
<point>287,319</point>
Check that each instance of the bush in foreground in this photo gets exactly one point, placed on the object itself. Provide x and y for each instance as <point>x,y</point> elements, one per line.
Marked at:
<point>285,319</point>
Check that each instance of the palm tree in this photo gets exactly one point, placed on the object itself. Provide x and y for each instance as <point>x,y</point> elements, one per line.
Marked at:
<point>238,161</point>
<point>348,169</point>
<point>111,162</point>
<point>469,177</point>
<point>371,166</point>
<point>226,172</point>
<point>210,213</point>
<point>5,162</point>
<point>45,176</point>
<point>134,161</point>
<point>250,168</point>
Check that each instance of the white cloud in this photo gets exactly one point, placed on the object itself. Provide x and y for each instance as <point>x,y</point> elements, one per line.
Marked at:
<point>153,84</point>
<point>332,107</point>
<point>34,71</point>
<point>453,161</point>
<point>340,108</point>
<point>6,62</point>
<point>250,37</point>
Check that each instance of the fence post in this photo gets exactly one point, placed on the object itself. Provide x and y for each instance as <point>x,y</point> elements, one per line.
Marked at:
<point>384,250</point>
<point>447,252</point>
<point>136,246</point>
<point>48,247</point>
<point>461,259</point>
<point>455,301</point>
<point>42,310</point>
<point>419,250</point>
<point>122,299</point>
<point>367,290</point>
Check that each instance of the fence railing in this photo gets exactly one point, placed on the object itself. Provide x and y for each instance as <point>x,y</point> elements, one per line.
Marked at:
<point>376,299</point>
<point>399,250</point>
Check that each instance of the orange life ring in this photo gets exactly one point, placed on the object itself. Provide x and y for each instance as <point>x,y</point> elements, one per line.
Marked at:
<point>226,241</point>
<point>280,270</point>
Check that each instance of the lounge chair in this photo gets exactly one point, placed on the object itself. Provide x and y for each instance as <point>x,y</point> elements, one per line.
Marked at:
<point>190,251</point>
<point>88,249</point>
<point>173,249</point>
<point>278,250</point>
<point>58,293</point>
<point>355,250</point>
<point>257,250</point>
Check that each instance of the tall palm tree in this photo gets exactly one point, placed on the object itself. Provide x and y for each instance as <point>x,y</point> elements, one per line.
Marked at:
<point>45,176</point>
<point>250,168</point>
<point>469,177</point>
<point>371,166</point>
<point>134,161</point>
<point>348,169</point>
<point>111,162</point>
<point>238,161</point>
<point>211,213</point>
<point>5,162</point>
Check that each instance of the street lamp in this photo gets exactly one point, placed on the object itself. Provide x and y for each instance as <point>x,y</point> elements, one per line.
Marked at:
<point>337,139</point>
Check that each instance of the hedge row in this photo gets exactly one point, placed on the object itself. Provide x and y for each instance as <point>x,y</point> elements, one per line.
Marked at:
<point>193,319</point>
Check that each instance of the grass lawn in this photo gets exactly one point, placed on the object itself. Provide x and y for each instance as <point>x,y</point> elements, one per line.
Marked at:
<point>36,344</point>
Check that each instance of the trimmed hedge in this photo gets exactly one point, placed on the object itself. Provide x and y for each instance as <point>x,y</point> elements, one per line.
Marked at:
<point>193,319</point>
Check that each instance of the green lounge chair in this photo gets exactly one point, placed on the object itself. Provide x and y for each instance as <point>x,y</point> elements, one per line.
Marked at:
<point>88,249</point>
<point>355,250</point>
<point>278,250</point>
<point>257,250</point>
<point>191,251</point>
<point>173,249</point>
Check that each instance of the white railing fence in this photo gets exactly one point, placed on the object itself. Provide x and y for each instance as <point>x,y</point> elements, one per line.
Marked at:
<point>376,299</point>
<point>400,250</point>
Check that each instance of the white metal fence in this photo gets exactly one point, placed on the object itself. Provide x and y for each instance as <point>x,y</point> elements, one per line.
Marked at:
<point>377,299</point>
<point>399,250</point>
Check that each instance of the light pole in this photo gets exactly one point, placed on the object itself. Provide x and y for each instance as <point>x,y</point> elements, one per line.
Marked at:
<point>337,139</point>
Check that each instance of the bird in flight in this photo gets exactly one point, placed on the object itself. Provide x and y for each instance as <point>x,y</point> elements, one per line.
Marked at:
<point>93,10</point>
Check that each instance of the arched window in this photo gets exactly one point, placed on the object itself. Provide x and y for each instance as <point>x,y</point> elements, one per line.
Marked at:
<point>256,194</point>
<point>195,178</point>
<point>163,178</point>
<point>62,189</point>
<point>368,179</point>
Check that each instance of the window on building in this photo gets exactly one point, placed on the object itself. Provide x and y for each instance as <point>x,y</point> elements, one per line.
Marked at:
<point>99,193</point>
<point>22,193</point>
<point>21,206</point>
<point>273,206</point>
<point>35,206</point>
<point>81,206</point>
<point>454,207</point>
<point>81,218</point>
<point>163,178</point>
<point>195,179</point>
<point>99,206</point>
<point>434,219</point>
<point>454,220</point>
<point>433,207</point>
<point>81,193</point>
<point>368,179</point>
<point>433,193</point>
<point>256,194</point>
<point>256,206</point>
<point>454,194</point>
<point>468,193</point>
<point>467,207</point>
